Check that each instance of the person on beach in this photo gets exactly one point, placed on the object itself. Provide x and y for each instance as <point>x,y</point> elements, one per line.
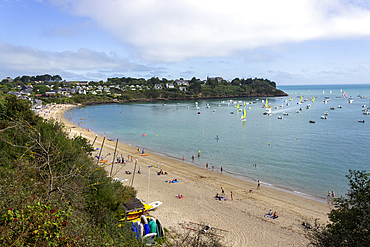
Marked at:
<point>140,170</point>
<point>207,166</point>
<point>221,169</point>
<point>143,151</point>
<point>329,195</point>
<point>270,212</point>
<point>231,196</point>
<point>192,157</point>
<point>213,168</point>
<point>258,185</point>
<point>275,215</point>
<point>223,191</point>
<point>332,194</point>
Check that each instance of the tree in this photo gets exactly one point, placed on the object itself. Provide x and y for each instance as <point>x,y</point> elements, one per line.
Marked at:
<point>351,217</point>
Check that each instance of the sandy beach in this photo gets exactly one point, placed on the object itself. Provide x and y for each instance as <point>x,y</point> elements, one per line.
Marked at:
<point>243,216</point>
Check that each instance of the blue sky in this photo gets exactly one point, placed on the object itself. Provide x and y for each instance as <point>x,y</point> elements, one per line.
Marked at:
<point>291,42</point>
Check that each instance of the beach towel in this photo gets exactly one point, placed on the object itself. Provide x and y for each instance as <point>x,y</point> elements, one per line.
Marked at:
<point>270,216</point>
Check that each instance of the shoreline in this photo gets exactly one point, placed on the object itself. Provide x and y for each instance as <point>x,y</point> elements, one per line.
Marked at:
<point>243,217</point>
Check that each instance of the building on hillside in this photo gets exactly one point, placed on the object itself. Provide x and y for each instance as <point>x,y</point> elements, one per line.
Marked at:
<point>158,86</point>
<point>183,89</point>
<point>182,82</point>
<point>170,85</point>
<point>218,78</point>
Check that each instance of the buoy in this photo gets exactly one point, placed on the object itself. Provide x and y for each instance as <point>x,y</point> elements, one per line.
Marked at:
<point>239,148</point>
<point>269,143</point>
<point>297,138</point>
<point>327,133</point>
<point>203,130</point>
<point>180,133</point>
<point>156,135</point>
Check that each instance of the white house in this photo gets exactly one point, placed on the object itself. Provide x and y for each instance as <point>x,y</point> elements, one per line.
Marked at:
<point>182,83</point>
<point>183,89</point>
<point>169,85</point>
<point>157,86</point>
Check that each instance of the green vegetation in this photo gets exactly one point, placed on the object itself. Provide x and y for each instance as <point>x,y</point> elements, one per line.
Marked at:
<point>350,220</point>
<point>138,89</point>
<point>52,193</point>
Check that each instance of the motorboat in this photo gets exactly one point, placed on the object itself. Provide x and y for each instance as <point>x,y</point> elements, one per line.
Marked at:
<point>311,121</point>
<point>297,111</point>
<point>361,121</point>
<point>350,101</point>
<point>324,117</point>
<point>326,113</point>
<point>332,108</point>
<point>285,114</point>
<point>339,106</point>
<point>280,117</point>
<point>308,106</point>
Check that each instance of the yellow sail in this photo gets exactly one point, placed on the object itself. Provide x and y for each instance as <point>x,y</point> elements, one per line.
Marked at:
<point>301,98</point>
<point>313,99</point>
<point>237,106</point>
<point>266,102</point>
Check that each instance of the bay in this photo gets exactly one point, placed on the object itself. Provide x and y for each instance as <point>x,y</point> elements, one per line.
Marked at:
<point>290,153</point>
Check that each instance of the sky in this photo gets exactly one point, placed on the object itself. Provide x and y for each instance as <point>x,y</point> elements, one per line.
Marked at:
<point>291,42</point>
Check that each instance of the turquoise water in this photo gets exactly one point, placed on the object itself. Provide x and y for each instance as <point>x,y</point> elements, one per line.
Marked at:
<point>290,153</point>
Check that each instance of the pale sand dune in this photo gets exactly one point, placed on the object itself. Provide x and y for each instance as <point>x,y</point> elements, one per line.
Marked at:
<point>243,217</point>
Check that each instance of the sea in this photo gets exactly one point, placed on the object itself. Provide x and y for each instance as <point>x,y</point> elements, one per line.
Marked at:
<point>290,154</point>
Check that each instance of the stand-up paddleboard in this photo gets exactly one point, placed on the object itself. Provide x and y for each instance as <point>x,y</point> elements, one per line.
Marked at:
<point>146,229</point>
<point>149,239</point>
<point>143,154</point>
<point>140,229</point>
<point>143,219</point>
<point>152,226</point>
<point>159,228</point>
<point>103,161</point>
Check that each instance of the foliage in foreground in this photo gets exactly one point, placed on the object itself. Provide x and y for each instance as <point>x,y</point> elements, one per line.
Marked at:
<point>52,194</point>
<point>350,220</point>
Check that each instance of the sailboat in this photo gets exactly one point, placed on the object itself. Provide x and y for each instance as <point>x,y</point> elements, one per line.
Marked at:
<point>244,117</point>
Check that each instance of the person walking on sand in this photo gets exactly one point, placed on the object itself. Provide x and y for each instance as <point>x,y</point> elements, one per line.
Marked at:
<point>223,191</point>
<point>258,185</point>
<point>231,196</point>
<point>207,166</point>
<point>221,169</point>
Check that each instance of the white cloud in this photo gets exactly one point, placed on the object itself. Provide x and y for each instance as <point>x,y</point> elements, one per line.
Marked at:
<point>169,30</point>
<point>20,60</point>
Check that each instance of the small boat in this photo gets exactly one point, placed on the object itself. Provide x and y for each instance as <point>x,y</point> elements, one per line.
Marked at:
<point>198,108</point>
<point>281,105</point>
<point>198,112</point>
<point>366,112</point>
<point>276,107</point>
<point>214,110</point>
<point>324,117</point>
<point>231,112</point>
<point>297,111</point>
<point>300,109</point>
<point>332,108</point>
<point>311,121</point>
<point>363,105</point>
<point>287,104</point>
<point>350,101</point>
<point>280,117</point>
<point>339,106</point>
<point>361,121</point>
<point>244,117</point>
<point>285,114</point>
<point>326,113</point>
